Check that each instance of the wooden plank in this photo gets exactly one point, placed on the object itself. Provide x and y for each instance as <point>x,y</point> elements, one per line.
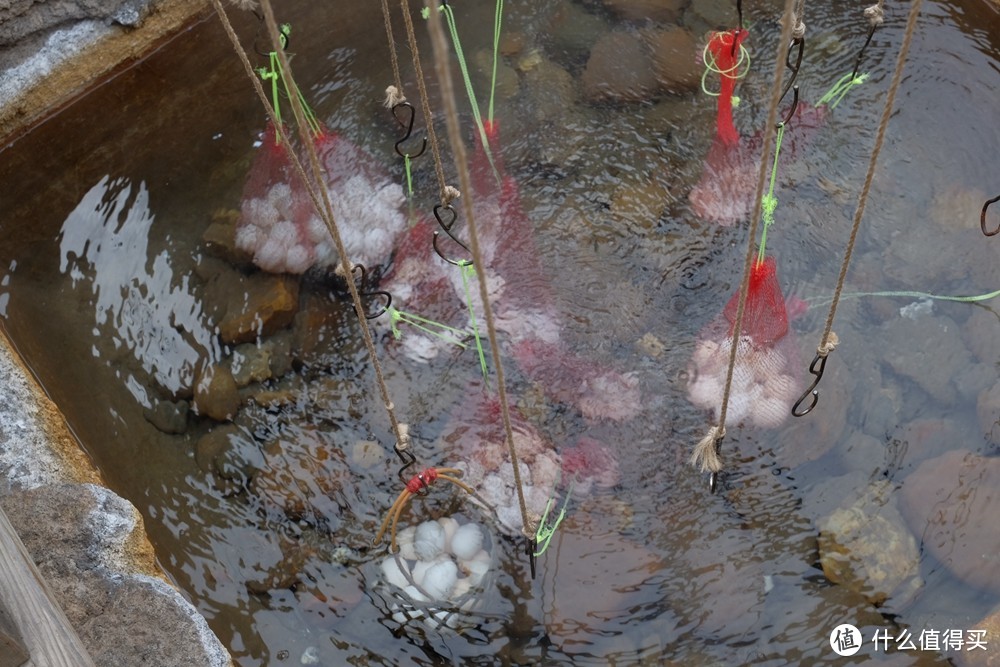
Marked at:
<point>13,652</point>
<point>44,628</point>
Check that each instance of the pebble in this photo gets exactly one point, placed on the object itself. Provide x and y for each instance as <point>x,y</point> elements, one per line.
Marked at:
<point>988,411</point>
<point>619,69</point>
<point>253,305</point>
<point>215,393</point>
<point>367,453</point>
<point>662,11</point>
<point>951,502</point>
<point>928,350</point>
<point>867,548</point>
<point>168,416</point>
<point>675,58</point>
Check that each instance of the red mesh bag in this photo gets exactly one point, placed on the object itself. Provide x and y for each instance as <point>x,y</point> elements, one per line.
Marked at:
<point>725,49</point>
<point>764,315</point>
<point>764,385</point>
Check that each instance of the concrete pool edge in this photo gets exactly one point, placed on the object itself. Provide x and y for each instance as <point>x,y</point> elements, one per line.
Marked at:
<point>88,542</point>
<point>58,65</point>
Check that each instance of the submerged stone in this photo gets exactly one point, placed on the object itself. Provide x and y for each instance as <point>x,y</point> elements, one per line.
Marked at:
<point>619,69</point>
<point>647,10</point>
<point>168,416</point>
<point>867,548</point>
<point>676,59</point>
<point>953,502</point>
<point>216,394</point>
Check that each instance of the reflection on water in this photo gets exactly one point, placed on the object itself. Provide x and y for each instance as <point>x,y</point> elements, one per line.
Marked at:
<point>138,301</point>
<point>263,499</point>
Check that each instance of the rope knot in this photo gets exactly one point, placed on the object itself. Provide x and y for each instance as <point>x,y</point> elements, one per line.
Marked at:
<point>450,194</point>
<point>422,480</point>
<point>829,346</point>
<point>875,15</point>
<point>393,96</point>
<point>798,29</point>
<point>403,435</point>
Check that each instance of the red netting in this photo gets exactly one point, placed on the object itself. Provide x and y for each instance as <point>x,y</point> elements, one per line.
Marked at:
<point>764,316</point>
<point>725,48</point>
<point>764,384</point>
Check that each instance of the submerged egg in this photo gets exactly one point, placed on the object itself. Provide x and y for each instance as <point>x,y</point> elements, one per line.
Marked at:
<point>404,540</point>
<point>396,572</point>
<point>467,541</point>
<point>476,567</point>
<point>429,540</point>
<point>450,526</point>
<point>439,579</point>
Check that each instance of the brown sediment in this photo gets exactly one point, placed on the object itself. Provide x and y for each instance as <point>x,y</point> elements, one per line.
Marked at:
<point>111,54</point>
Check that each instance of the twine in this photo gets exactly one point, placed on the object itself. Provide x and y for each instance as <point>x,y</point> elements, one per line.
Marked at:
<point>890,98</point>
<point>326,211</point>
<point>703,455</point>
<point>440,46</point>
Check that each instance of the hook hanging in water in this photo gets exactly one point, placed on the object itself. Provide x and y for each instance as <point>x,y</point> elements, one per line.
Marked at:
<point>442,211</point>
<point>861,53</point>
<point>982,218</point>
<point>739,25</point>
<point>816,369</point>
<point>799,43</point>
<point>360,279</point>
<point>284,34</point>
<point>408,126</point>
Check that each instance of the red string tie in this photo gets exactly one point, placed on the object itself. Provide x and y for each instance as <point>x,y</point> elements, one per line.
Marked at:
<point>422,480</point>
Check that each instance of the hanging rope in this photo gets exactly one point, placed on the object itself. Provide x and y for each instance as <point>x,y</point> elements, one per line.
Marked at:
<point>706,453</point>
<point>393,95</point>
<point>399,429</point>
<point>829,340</point>
<point>440,46</point>
<point>446,192</point>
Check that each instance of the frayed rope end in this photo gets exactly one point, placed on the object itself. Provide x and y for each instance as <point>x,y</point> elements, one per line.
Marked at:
<point>706,453</point>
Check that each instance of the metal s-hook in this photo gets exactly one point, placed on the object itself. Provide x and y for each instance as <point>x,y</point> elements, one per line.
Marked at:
<point>409,460</point>
<point>816,369</point>
<point>284,34</point>
<point>447,211</point>
<point>363,275</point>
<point>791,85</point>
<point>739,26</point>
<point>982,218</point>
<point>861,53</point>
<point>408,126</point>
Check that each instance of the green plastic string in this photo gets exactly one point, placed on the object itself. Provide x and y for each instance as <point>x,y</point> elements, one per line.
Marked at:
<point>469,271</point>
<point>711,68</point>
<point>822,301</point>
<point>409,175</point>
<point>447,334</point>
<point>769,202</point>
<point>274,74</point>
<point>456,42</point>
<point>497,20</point>
<point>840,89</point>
<point>543,536</point>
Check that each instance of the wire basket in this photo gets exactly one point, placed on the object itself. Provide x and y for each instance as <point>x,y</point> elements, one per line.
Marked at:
<point>440,576</point>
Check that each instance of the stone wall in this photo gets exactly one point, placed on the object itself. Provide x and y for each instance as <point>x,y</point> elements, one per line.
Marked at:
<point>89,543</point>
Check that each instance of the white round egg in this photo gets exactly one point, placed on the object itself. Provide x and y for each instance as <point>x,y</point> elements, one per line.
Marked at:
<point>439,580</point>
<point>467,541</point>
<point>428,542</point>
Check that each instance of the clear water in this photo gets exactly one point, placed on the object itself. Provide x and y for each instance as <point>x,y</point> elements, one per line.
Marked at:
<point>104,207</point>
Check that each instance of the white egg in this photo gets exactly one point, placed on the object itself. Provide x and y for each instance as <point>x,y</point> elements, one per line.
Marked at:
<point>770,412</point>
<point>450,526</point>
<point>476,567</point>
<point>395,572</point>
<point>783,388</point>
<point>428,541</point>
<point>462,587</point>
<point>704,352</point>
<point>467,542</point>
<point>439,580</point>
<point>404,540</point>
<point>415,595</point>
